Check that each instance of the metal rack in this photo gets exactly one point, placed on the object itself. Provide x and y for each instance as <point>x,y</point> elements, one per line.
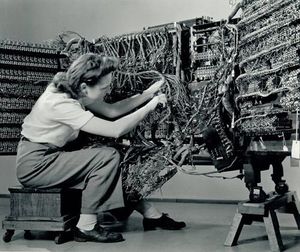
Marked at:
<point>25,70</point>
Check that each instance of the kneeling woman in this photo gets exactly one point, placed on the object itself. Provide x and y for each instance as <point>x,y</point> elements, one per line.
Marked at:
<point>65,108</point>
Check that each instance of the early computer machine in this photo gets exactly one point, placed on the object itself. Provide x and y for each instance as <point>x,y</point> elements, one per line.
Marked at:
<point>233,95</point>
<point>233,91</point>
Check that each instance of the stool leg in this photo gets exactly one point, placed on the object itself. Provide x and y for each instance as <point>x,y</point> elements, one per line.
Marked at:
<point>296,209</point>
<point>272,228</point>
<point>297,219</point>
<point>235,230</point>
<point>62,237</point>
<point>8,235</point>
<point>28,235</point>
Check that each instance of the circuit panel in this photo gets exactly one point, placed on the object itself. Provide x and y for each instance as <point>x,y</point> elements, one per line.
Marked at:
<point>25,70</point>
<point>268,86</point>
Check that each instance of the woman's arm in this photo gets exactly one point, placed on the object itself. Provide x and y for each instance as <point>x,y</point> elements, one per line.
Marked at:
<point>123,125</point>
<point>122,107</point>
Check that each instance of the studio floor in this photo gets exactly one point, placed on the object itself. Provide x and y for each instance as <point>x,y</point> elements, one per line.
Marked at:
<point>207,228</point>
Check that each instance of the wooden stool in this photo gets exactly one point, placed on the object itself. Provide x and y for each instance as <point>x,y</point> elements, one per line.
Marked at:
<point>42,209</point>
<point>248,212</point>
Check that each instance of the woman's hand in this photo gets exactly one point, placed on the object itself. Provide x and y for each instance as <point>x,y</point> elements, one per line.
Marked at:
<point>154,88</point>
<point>159,99</point>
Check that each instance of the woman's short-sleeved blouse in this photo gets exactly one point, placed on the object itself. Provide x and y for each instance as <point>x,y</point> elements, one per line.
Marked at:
<point>55,118</point>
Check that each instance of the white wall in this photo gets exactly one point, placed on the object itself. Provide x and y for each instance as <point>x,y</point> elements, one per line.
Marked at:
<point>7,173</point>
<point>40,20</point>
<point>183,186</point>
<point>195,187</point>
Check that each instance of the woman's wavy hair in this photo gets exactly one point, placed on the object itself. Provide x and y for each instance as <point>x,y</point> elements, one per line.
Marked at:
<point>88,68</point>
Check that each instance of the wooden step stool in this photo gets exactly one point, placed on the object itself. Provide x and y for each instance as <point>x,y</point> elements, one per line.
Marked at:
<point>42,209</point>
<point>248,212</point>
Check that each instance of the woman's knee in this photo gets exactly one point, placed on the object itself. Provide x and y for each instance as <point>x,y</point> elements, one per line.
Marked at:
<point>114,154</point>
<point>109,165</point>
<point>110,154</point>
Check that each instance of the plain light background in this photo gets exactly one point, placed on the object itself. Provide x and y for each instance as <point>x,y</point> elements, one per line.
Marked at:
<point>42,20</point>
<point>38,20</point>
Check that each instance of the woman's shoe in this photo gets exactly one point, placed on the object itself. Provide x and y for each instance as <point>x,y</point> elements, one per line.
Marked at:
<point>164,222</point>
<point>97,234</point>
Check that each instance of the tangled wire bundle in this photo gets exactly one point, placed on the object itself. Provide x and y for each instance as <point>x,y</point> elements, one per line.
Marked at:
<point>145,169</point>
<point>158,137</point>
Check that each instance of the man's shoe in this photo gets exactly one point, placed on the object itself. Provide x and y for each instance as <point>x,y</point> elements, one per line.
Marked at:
<point>98,234</point>
<point>164,222</point>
